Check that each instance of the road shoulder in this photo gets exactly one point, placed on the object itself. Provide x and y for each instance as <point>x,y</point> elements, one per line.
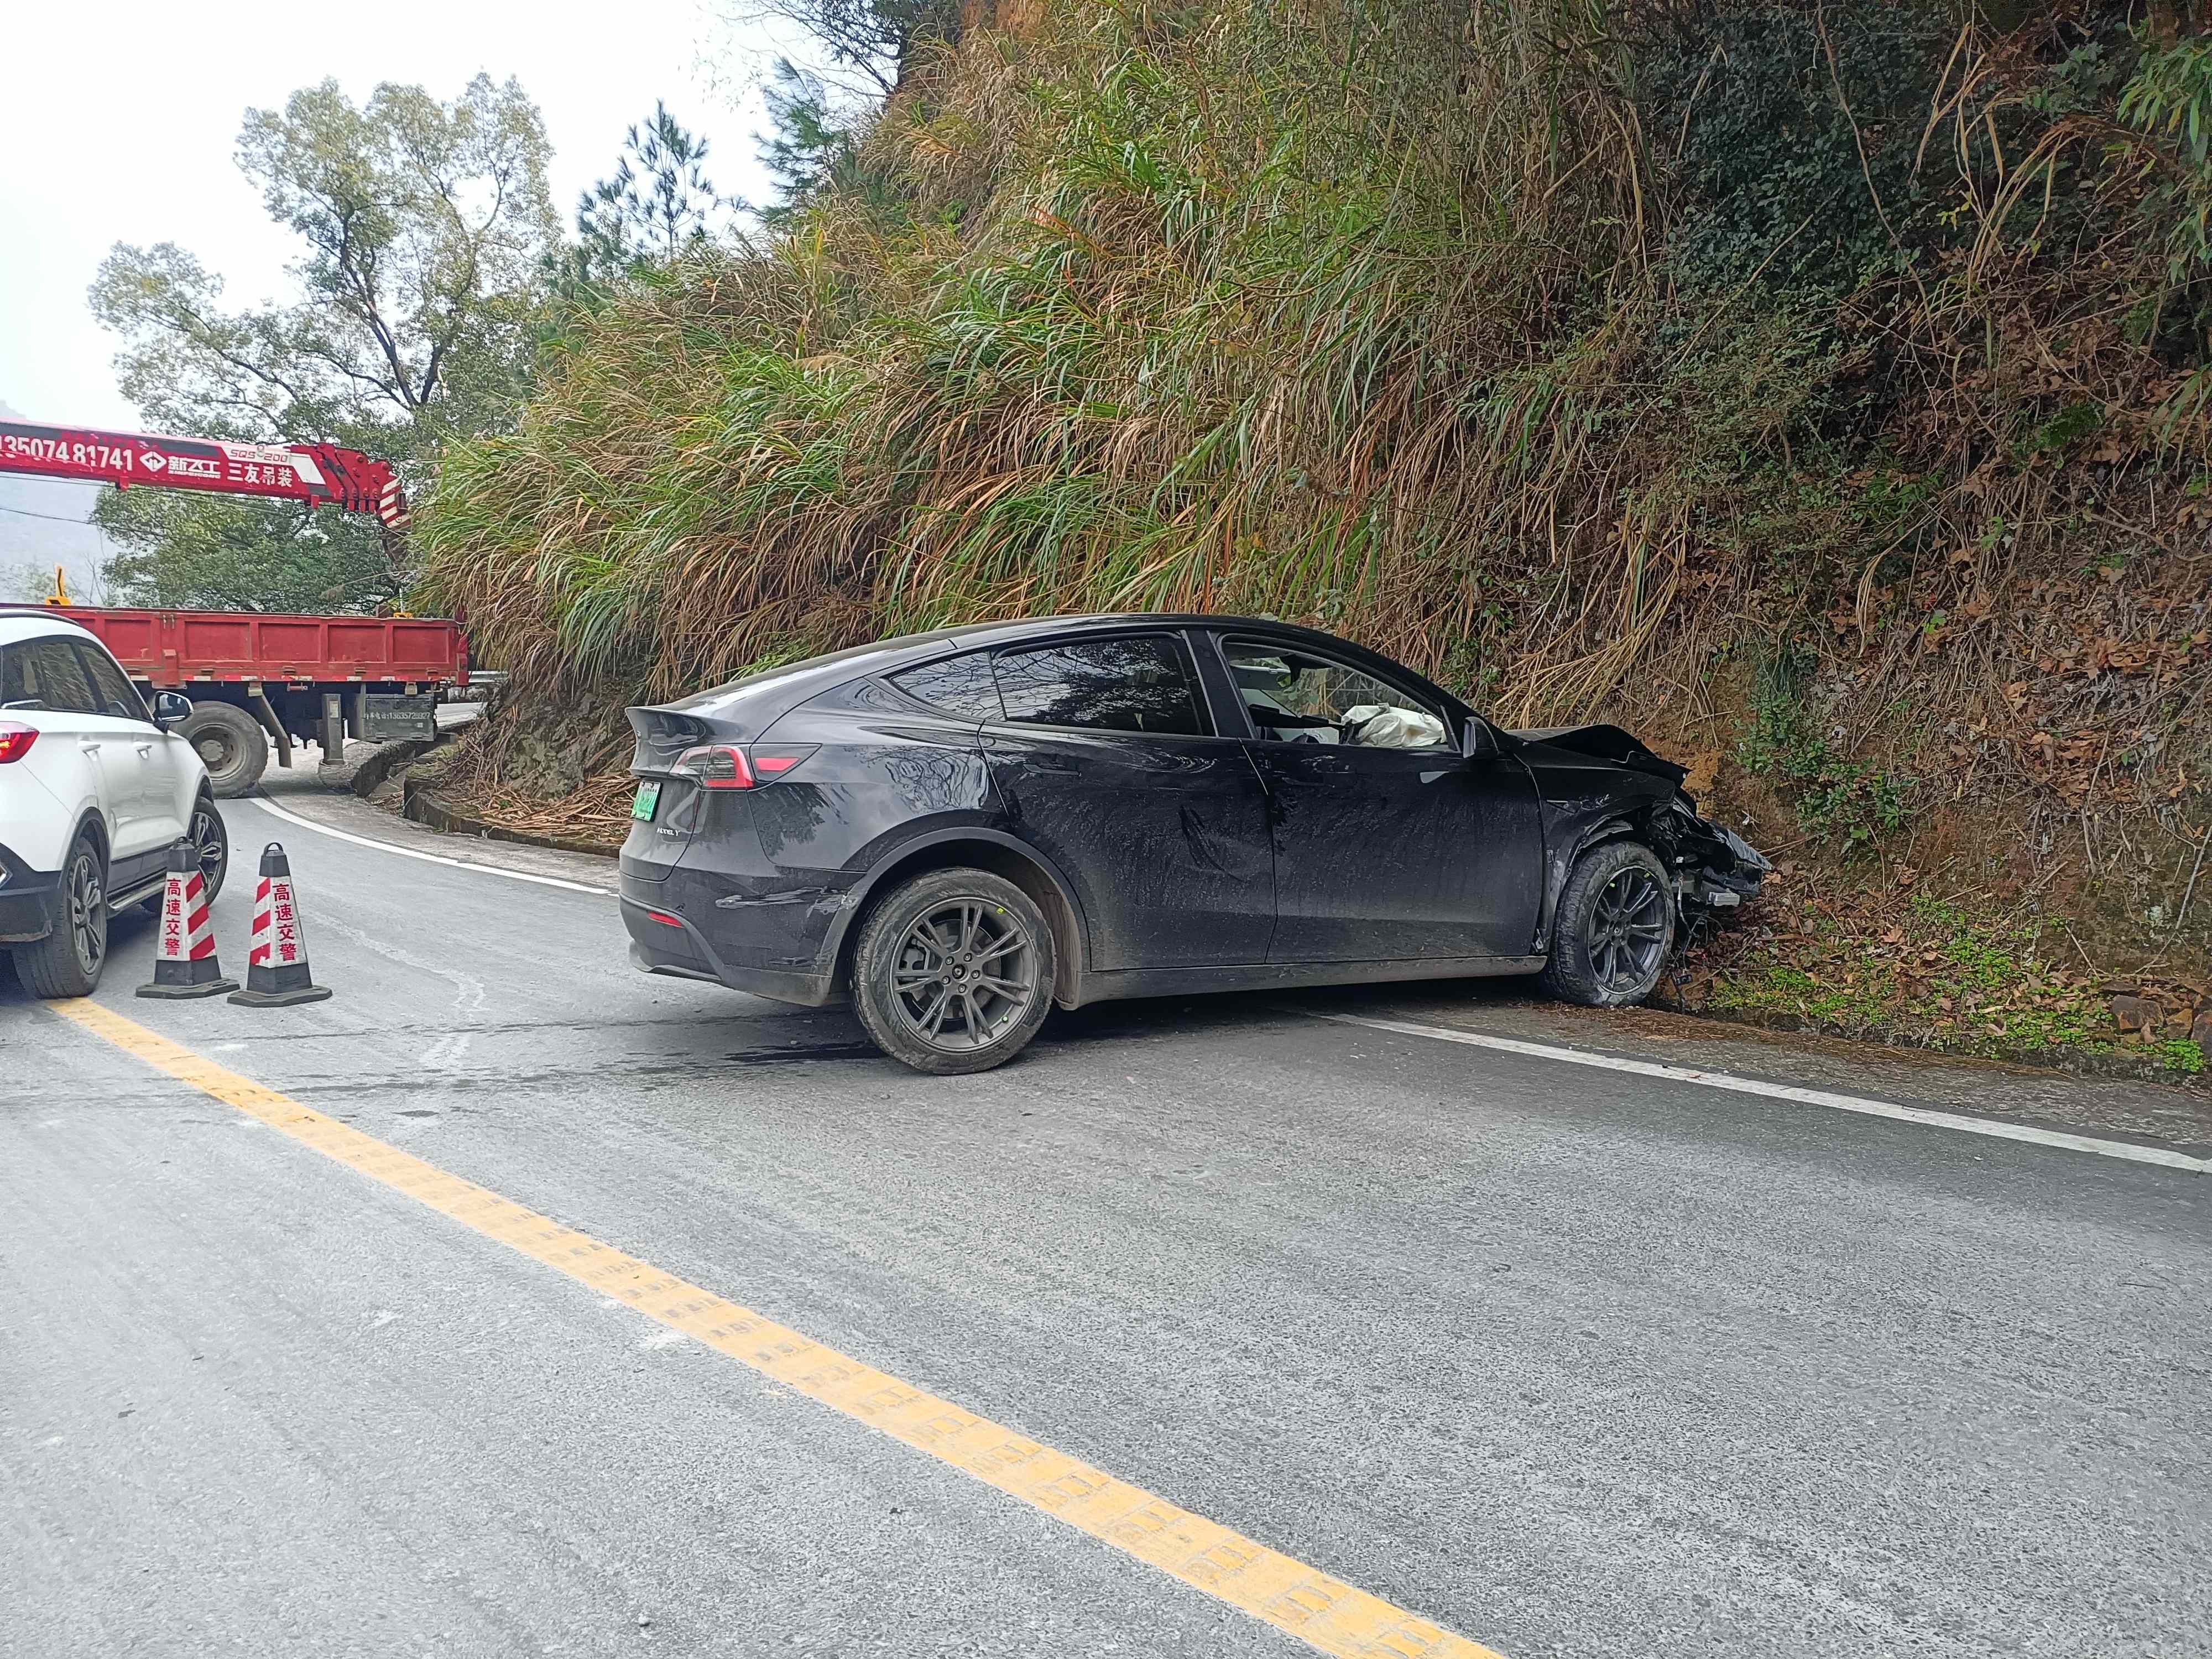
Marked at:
<point>2150,1114</point>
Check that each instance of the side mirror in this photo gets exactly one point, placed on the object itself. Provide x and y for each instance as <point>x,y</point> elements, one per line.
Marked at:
<point>169,708</point>
<point>1476,739</point>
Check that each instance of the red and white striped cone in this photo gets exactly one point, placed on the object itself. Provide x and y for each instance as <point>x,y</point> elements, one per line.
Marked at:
<point>276,974</point>
<point>184,956</point>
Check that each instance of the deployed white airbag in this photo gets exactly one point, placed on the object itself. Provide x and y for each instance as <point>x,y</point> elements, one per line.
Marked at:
<point>1384,726</point>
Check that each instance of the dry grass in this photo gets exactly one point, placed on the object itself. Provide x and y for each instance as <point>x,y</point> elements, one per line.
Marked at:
<point>1391,318</point>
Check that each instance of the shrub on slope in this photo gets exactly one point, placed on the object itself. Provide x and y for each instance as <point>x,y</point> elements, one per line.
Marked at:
<point>1783,379</point>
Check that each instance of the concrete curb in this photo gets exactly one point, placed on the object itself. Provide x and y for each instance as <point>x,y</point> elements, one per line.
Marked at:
<point>2120,1068</point>
<point>423,804</point>
<point>368,777</point>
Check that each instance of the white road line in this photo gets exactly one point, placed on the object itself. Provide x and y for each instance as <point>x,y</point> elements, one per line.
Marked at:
<point>276,811</point>
<point>1745,1086</point>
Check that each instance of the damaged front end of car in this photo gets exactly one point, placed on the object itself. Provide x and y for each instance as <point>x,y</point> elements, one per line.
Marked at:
<point>1600,782</point>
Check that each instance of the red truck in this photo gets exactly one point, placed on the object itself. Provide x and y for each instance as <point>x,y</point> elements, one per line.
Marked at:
<point>258,679</point>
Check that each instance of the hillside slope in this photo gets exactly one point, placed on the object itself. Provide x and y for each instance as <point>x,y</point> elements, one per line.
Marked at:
<point>1821,391</point>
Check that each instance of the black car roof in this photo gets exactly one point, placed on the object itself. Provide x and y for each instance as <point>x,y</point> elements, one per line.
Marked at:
<point>791,684</point>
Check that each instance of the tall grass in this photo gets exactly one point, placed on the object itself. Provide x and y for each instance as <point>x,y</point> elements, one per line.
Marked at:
<point>1569,352</point>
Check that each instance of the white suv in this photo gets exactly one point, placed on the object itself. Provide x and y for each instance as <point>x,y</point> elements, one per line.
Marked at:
<point>94,792</point>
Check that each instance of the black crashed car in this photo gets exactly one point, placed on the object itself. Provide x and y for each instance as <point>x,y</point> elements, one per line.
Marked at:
<point>957,829</point>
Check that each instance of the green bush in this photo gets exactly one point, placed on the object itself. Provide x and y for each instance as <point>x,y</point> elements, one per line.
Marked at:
<point>1847,804</point>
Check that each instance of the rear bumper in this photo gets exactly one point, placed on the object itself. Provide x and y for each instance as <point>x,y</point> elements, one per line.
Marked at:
<point>663,941</point>
<point>706,901</point>
<point>27,899</point>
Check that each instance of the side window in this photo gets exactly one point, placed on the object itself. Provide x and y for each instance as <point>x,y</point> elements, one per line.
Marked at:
<point>110,687</point>
<point>47,672</point>
<point>1293,696</point>
<point>1141,684</point>
<point>959,685</point>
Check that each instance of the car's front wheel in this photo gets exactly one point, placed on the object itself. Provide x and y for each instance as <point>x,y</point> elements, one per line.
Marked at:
<point>953,971</point>
<point>1614,928</point>
<point>210,840</point>
<point>67,962</point>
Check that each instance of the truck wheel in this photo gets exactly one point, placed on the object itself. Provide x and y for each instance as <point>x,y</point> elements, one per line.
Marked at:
<point>231,744</point>
<point>67,962</point>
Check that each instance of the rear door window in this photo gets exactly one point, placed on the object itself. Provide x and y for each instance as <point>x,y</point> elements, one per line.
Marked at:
<point>46,672</point>
<point>111,686</point>
<point>1142,683</point>
<point>961,686</point>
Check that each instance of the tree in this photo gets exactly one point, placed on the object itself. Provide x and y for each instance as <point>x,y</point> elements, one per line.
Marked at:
<point>234,553</point>
<point>658,202</point>
<point>425,227</point>
<point>810,146</point>
<point>26,581</point>
<point>873,38</point>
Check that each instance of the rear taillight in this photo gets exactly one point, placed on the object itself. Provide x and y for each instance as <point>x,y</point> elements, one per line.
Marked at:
<point>736,766</point>
<point>716,766</point>
<point>15,741</point>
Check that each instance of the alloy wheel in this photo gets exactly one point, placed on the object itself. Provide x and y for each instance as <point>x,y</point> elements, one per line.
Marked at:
<point>208,845</point>
<point>88,913</point>
<point>964,973</point>
<point>1628,930</point>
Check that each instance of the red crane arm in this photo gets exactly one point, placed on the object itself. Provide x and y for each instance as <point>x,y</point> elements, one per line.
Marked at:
<point>321,475</point>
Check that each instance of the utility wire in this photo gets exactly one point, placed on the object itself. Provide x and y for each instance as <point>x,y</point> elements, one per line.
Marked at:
<point>52,518</point>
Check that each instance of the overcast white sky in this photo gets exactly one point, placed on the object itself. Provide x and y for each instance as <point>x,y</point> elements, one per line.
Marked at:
<point>118,119</point>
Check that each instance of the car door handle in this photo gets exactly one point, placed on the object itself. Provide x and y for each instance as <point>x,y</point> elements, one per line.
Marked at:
<point>145,748</point>
<point>89,747</point>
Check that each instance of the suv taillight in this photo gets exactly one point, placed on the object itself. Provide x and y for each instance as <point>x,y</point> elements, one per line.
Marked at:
<point>15,741</point>
<point>739,766</point>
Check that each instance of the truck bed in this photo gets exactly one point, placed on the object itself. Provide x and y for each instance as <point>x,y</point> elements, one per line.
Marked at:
<point>173,648</point>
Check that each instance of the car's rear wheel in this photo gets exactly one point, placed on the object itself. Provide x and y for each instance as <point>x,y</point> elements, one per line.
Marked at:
<point>1614,929</point>
<point>67,962</point>
<point>230,744</point>
<point>953,971</point>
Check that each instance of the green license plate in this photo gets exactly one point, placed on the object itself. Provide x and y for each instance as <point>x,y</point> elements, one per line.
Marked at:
<point>648,799</point>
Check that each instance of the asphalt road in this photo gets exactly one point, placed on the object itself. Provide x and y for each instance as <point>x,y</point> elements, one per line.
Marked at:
<point>1566,1361</point>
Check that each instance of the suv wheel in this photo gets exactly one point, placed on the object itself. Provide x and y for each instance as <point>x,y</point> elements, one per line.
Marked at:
<point>953,971</point>
<point>210,840</point>
<point>1614,929</point>
<point>67,962</point>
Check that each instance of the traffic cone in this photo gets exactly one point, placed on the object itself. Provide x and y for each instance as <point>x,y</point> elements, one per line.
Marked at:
<point>276,974</point>
<point>184,957</point>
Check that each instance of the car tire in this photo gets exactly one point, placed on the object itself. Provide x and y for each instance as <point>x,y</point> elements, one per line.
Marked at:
<point>210,840</point>
<point>230,744</point>
<point>67,962</point>
<point>925,950</point>
<point>1614,928</point>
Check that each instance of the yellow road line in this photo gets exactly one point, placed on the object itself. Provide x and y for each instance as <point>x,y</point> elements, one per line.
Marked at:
<point>1325,1614</point>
